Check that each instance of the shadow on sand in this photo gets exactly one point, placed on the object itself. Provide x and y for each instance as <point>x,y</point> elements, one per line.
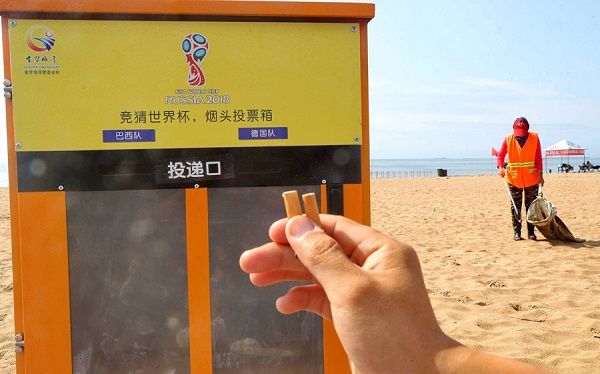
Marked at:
<point>585,244</point>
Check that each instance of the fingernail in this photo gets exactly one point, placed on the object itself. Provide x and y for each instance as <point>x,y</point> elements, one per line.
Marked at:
<point>301,226</point>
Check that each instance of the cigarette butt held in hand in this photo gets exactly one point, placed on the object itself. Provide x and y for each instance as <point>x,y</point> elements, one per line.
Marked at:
<point>311,208</point>
<point>292,205</point>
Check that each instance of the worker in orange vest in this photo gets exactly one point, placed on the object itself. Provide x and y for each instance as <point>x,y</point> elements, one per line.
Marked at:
<point>524,171</point>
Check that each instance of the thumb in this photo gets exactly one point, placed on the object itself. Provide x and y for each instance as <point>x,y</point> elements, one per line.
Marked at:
<point>319,252</point>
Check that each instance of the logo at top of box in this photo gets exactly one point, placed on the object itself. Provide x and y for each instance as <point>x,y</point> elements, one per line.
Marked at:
<point>40,38</point>
<point>41,62</point>
<point>195,48</point>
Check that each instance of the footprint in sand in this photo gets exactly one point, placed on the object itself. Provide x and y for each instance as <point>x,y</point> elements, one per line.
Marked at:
<point>592,315</point>
<point>449,260</point>
<point>485,325</point>
<point>495,284</point>
<point>531,313</point>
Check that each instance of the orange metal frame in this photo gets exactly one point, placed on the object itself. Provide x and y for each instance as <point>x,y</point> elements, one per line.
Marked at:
<point>287,9</point>
<point>45,282</point>
<point>25,208</point>
<point>14,202</point>
<point>196,207</point>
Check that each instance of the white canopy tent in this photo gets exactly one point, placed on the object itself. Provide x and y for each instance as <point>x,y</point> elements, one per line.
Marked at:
<point>564,148</point>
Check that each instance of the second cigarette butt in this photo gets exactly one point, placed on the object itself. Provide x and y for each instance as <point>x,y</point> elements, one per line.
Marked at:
<point>311,208</point>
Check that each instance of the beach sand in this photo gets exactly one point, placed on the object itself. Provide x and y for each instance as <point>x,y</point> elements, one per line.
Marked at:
<point>7,321</point>
<point>534,301</point>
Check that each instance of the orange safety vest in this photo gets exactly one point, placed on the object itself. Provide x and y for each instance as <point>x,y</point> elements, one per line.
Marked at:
<point>521,171</point>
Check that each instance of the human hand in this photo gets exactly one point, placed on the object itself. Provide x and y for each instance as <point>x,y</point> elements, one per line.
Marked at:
<point>369,284</point>
<point>372,287</point>
<point>501,172</point>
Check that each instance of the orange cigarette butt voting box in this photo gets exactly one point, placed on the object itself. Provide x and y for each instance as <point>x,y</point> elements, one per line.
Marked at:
<point>137,187</point>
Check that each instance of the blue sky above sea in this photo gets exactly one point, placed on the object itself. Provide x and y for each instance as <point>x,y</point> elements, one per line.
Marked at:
<point>448,77</point>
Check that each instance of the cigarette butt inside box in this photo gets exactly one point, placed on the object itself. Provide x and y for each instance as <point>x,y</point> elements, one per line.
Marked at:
<point>292,203</point>
<point>311,208</point>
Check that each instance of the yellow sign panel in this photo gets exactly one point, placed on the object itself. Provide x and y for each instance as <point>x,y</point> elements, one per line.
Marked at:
<point>95,85</point>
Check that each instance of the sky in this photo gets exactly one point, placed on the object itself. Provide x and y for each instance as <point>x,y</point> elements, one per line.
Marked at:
<point>447,78</point>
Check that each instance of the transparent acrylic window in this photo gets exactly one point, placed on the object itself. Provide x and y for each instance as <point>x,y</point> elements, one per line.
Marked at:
<point>128,280</point>
<point>248,334</point>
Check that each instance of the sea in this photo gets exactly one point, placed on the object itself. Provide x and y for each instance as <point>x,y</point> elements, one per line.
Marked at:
<point>427,167</point>
<point>3,174</point>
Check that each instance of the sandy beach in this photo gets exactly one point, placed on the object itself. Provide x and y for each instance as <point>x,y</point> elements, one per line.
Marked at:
<point>7,322</point>
<point>534,301</point>
<point>537,301</point>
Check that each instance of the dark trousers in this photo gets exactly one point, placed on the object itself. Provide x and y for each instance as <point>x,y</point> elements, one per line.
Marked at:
<point>517,195</point>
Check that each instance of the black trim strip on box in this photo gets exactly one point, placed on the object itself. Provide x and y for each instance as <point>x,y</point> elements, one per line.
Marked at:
<point>335,199</point>
<point>155,168</point>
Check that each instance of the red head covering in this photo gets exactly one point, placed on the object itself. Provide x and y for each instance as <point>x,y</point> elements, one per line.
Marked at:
<point>521,126</point>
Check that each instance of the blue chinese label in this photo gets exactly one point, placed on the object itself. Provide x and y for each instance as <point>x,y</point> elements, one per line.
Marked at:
<point>262,133</point>
<point>127,136</point>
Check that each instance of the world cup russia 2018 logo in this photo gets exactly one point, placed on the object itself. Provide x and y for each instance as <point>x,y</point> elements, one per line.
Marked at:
<point>40,38</point>
<point>195,47</point>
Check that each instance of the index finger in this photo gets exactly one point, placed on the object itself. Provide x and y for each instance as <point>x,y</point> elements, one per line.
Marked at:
<point>357,240</point>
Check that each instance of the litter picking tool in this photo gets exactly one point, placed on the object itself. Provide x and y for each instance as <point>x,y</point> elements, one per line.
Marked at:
<point>542,214</point>
<point>512,200</point>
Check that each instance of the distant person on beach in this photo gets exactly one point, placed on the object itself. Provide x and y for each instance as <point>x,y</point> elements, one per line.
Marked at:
<point>524,171</point>
<point>372,287</point>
